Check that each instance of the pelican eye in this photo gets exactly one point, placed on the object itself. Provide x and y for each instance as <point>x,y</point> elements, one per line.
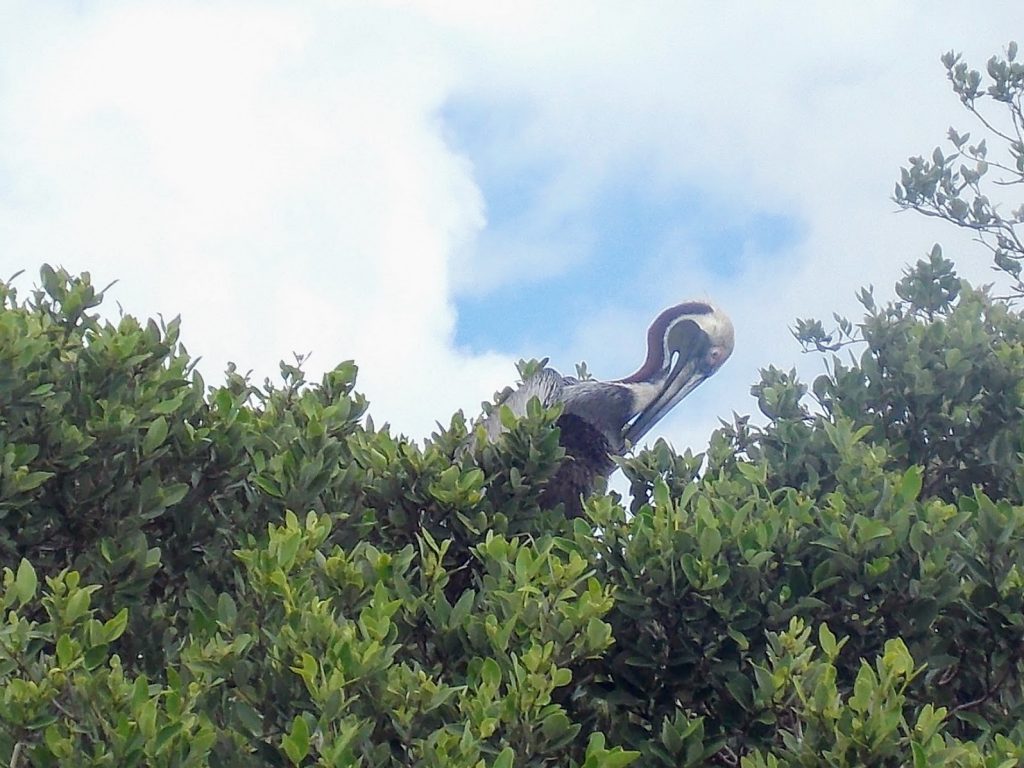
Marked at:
<point>716,356</point>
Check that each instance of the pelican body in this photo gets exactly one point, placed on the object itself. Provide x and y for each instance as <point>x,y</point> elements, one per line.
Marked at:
<point>686,344</point>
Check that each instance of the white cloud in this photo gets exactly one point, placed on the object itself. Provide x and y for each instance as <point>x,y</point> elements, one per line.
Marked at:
<point>280,184</point>
<point>277,173</point>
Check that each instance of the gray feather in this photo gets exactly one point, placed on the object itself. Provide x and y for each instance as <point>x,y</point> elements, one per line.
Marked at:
<point>546,384</point>
<point>591,423</point>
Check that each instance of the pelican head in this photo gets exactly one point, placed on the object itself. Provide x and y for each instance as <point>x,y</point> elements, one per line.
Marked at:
<point>686,344</point>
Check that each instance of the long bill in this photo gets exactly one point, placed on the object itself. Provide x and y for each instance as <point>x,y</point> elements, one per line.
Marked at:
<point>687,370</point>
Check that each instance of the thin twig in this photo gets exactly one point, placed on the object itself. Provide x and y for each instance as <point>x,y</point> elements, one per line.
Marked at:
<point>986,696</point>
<point>987,124</point>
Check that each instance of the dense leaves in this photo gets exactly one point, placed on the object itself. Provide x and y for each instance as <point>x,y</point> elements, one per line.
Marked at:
<point>256,575</point>
<point>418,614</point>
<point>166,605</point>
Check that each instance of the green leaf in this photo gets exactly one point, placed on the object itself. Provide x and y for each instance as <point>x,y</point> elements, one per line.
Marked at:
<point>268,485</point>
<point>248,717</point>
<point>864,687</point>
<point>287,549</point>
<point>616,758</point>
<point>507,418</point>
<point>490,673</point>
<point>140,692</point>
<point>77,605</point>
<point>65,651</point>
<point>920,757</point>
<point>755,473</point>
<point>32,480</point>
<point>910,485</point>
<point>25,582</point>
<point>827,640</point>
<point>690,569</point>
<point>561,677</point>
<point>155,435</point>
<point>166,737</point>
<point>96,656</point>
<point>170,405</point>
<point>661,493</point>
<point>296,743</point>
<point>172,494</point>
<point>461,609</point>
<point>114,628</point>
<point>504,758</point>
<point>58,745</point>
<point>871,529</point>
<point>710,542</point>
<point>226,610</point>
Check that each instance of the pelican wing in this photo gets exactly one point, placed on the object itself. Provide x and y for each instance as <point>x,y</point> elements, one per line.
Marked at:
<point>547,385</point>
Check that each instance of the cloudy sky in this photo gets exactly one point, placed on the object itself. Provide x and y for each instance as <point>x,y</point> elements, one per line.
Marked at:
<point>438,189</point>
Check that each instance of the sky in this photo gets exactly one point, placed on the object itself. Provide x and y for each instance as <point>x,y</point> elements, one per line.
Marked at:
<point>437,189</point>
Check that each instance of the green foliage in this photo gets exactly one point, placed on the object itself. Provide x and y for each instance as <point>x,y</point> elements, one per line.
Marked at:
<point>425,609</point>
<point>67,699</point>
<point>255,575</point>
<point>938,385</point>
<point>963,184</point>
<point>422,583</point>
<point>870,724</point>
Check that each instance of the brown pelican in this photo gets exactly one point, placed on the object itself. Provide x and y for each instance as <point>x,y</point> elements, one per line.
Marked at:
<point>686,344</point>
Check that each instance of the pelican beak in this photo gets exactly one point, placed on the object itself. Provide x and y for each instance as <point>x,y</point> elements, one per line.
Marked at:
<point>699,348</point>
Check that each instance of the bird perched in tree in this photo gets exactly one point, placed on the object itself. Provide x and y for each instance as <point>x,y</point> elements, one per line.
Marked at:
<point>686,344</point>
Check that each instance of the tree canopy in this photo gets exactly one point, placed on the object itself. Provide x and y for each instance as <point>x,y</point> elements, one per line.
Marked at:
<point>244,574</point>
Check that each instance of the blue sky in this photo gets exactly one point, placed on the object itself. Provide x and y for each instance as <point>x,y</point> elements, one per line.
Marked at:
<point>617,235</point>
<point>625,232</point>
<point>437,189</point>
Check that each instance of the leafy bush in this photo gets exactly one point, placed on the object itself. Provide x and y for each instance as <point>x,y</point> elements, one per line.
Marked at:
<point>255,575</point>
